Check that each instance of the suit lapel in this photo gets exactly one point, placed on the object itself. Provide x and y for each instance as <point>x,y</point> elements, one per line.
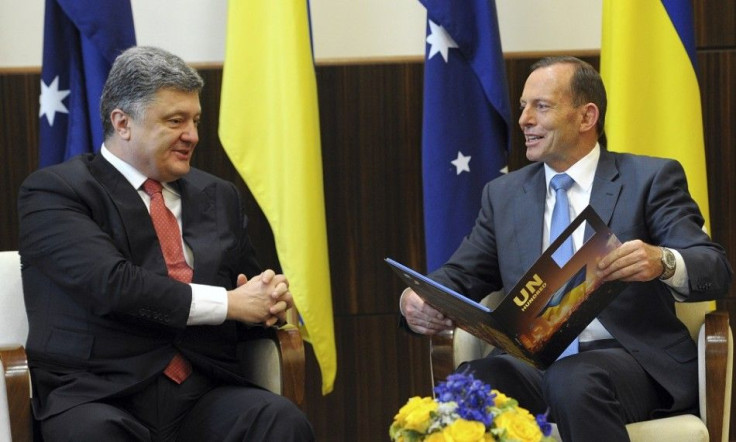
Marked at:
<point>606,189</point>
<point>135,223</point>
<point>529,217</point>
<point>199,223</point>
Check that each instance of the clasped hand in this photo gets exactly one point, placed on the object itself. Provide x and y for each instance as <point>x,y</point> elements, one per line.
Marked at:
<point>263,299</point>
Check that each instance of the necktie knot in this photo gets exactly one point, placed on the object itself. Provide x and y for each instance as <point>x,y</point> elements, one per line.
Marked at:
<point>561,181</point>
<point>152,186</point>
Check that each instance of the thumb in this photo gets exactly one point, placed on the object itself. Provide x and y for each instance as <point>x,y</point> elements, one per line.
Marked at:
<point>242,279</point>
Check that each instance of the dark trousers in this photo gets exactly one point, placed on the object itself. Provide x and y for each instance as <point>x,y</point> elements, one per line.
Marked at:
<point>196,410</point>
<point>591,395</point>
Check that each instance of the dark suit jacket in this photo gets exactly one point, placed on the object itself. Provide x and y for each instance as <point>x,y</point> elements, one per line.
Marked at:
<point>639,198</point>
<point>104,316</point>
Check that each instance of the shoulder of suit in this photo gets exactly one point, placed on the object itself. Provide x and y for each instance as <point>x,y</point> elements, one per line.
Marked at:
<point>628,163</point>
<point>628,158</point>
<point>75,168</point>
<point>521,175</point>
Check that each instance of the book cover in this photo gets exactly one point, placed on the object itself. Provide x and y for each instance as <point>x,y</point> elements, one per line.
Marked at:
<point>549,306</point>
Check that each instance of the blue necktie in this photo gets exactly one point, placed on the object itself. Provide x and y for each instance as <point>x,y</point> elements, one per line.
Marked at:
<point>560,183</point>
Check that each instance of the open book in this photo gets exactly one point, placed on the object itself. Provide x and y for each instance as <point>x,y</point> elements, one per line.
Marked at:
<point>551,304</point>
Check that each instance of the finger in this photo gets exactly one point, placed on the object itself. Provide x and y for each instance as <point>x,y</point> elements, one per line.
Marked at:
<point>280,290</point>
<point>270,322</point>
<point>242,279</point>
<point>279,307</point>
<point>281,318</point>
<point>288,299</point>
<point>280,279</point>
<point>267,275</point>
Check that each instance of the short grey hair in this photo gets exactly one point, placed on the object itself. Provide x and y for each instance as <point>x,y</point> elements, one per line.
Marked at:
<point>137,75</point>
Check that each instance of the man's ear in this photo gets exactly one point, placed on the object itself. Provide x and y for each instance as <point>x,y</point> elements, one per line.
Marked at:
<point>590,117</point>
<point>120,123</point>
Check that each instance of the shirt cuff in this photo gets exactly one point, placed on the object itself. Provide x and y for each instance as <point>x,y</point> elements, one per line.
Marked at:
<point>401,309</point>
<point>209,305</point>
<point>679,281</point>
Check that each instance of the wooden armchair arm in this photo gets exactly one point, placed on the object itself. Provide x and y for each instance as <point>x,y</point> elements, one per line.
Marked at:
<point>441,356</point>
<point>18,389</point>
<point>267,353</point>
<point>292,363</point>
<point>718,369</point>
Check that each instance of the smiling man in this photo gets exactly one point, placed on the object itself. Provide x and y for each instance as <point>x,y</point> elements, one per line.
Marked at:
<point>139,278</point>
<point>636,360</point>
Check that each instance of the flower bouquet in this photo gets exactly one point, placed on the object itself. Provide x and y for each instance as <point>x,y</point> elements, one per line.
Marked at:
<point>467,410</point>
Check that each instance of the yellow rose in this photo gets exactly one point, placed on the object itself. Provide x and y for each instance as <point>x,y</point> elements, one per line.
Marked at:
<point>436,437</point>
<point>500,398</point>
<point>465,431</point>
<point>519,424</point>
<point>415,414</point>
<point>403,411</point>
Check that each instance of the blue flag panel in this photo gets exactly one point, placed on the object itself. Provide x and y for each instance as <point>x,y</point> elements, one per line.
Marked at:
<point>80,42</point>
<point>466,122</point>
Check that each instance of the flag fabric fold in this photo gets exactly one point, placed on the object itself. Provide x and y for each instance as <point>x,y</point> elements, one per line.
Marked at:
<point>466,120</point>
<point>81,40</point>
<point>648,67</point>
<point>269,127</point>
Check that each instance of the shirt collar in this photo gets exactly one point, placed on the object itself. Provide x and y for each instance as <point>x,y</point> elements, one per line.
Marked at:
<point>583,172</point>
<point>131,174</point>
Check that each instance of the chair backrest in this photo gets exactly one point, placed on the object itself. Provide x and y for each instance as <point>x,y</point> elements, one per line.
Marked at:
<point>13,320</point>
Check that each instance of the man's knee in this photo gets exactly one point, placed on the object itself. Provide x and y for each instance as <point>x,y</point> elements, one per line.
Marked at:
<point>287,418</point>
<point>91,422</point>
<point>575,384</point>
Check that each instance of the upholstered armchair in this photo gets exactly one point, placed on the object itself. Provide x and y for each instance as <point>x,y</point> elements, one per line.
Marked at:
<point>275,359</point>
<point>710,330</point>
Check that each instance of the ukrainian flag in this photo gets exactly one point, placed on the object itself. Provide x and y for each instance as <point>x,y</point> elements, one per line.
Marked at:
<point>269,127</point>
<point>648,67</point>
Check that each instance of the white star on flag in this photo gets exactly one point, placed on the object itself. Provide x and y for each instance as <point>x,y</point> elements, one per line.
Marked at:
<point>51,100</point>
<point>439,40</point>
<point>461,163</point>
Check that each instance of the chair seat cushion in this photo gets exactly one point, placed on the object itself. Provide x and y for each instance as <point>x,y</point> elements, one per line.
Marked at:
<point>685,428</point>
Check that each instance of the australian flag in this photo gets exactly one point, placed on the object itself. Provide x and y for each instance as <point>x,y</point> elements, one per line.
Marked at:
<point>466,125</point>
<point>81,39</point>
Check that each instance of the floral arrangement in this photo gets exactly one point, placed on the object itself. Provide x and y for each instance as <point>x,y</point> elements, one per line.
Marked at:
<point>467,410</point>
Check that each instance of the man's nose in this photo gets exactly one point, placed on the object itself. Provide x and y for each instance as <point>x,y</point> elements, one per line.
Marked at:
<point>526,118</point>
<point>191,133</point>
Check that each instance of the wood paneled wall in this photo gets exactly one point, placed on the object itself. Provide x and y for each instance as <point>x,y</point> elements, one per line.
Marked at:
<point>371,131</point>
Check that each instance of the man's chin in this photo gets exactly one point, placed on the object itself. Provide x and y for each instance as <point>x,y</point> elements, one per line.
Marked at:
<point>533,154</point>
<point>177,172</point>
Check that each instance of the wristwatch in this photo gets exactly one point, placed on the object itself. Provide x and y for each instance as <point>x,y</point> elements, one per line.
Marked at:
<point>668,263</point>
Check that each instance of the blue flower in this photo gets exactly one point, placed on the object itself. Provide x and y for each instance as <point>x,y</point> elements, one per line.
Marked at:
<point>545,426</point>
<point>473,398</point>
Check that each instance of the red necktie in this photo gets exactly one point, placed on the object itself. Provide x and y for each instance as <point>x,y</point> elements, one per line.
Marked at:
<point>169,236</point>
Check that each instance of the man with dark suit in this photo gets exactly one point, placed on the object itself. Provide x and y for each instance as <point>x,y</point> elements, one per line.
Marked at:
<point>636,360</point>
<point>134,318</point>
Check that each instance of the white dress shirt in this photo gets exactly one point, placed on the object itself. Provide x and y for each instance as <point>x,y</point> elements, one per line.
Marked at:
<point>209,303</point>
